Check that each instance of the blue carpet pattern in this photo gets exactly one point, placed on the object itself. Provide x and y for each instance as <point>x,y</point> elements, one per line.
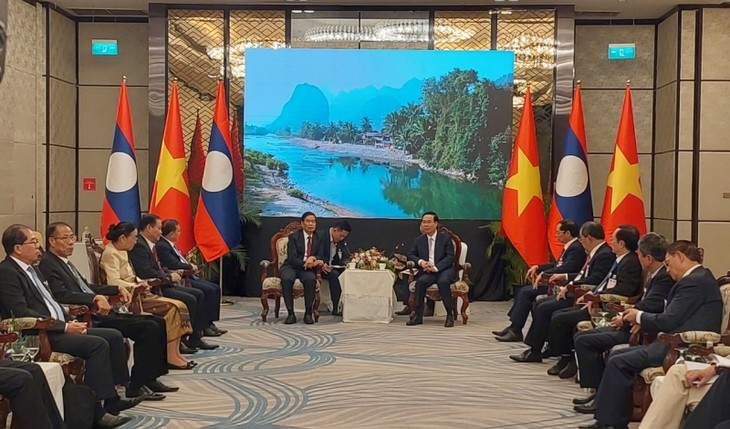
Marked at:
<point>344,375</point>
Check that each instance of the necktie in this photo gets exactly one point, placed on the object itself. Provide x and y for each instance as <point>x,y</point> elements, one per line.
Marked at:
<point>53,308</point>
<point>583,271</point>
<point>179,254</point>
<point>601,286</point>
<point>309,246</point>
<point>333,250</point>
<point>431,257</point>
<point>79,280</point>
<point>156,258</point>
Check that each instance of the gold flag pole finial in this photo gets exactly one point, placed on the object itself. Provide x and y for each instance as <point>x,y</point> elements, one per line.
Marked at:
<point>628,82</point>
<point>124,79</point>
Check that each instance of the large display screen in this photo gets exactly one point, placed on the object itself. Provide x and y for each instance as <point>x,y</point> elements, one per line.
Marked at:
<point>377,133</point>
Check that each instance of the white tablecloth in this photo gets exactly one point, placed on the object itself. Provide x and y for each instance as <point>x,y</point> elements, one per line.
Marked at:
<point>54,375</point>
<point>367,295</point>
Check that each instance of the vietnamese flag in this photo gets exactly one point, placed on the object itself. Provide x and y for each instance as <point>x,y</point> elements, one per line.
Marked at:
<point>624,203</point>
<point>523,210</point>
<point>196,164</point>
<point>171,194</point>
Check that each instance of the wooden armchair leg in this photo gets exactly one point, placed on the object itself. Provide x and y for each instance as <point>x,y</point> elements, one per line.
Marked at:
<point>277,305</point>
<point>265,305</point>
<point>464,306</point>
<point>315,310</point>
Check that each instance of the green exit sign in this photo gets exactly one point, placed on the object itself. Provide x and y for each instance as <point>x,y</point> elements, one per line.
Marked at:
<point>104,47</point>
<point>623,51</point>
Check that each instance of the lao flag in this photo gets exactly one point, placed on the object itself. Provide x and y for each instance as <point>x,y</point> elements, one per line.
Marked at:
<point>572,194</point>
<point>624,200</point>
<point>121,194</point>
<point>217,224</point>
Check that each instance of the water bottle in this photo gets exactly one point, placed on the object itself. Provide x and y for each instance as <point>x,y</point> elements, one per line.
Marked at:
<point>86,235</point>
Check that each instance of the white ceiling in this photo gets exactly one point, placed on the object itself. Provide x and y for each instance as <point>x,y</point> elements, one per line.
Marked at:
<point>627,9</point>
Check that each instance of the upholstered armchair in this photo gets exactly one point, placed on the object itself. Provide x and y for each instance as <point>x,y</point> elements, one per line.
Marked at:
<point>72,366</point>
<point>5,339</point>
<point>270,280</point>
<point>696,342</point>
<point>459,289</point>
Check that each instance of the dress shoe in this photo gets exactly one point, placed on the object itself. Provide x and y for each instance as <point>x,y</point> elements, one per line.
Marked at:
<point>559,366</point>
<point>527,356</point>
<point>290,319</point>
<point>581,401</point>
<point>210,332</point>
<point>160,387</point>
<point>116,406</point>
<point>184,349</point>
<point>569,371</point>
<point>596,425</point>
<point>200,343</point>
<point>503,331</point>
<point>405,312</point>
<point>449,321</point>
<point>308,319</point>
<point>188,365</point>
<point>587,408</point>
<point>418,320</point>
<point>109,421</point>
<point>547,353</point>
<point>151,396</point>
<point>510,337</point>
<point>217,329</point>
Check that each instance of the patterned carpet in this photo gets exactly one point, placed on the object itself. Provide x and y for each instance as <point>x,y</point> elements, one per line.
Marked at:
<point>334,375</point>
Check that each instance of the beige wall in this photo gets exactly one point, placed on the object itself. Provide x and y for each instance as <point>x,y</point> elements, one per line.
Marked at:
<point>714,129</point>
<point>603,84</point>
<point>99,79</point>
<point>62,119</point>
<point>22,118</point>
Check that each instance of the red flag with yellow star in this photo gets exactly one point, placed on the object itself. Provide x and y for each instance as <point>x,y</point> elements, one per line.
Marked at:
<point>523,211</point>
<point>171,194</point>
<point>624,203</point>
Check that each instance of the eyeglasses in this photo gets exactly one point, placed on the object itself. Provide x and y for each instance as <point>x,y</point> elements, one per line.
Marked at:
<point>71,237</point>
<point>34,242</point>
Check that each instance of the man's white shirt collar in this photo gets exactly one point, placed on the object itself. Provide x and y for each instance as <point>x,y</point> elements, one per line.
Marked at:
<point>566,245</point>
<point>23,265</point>
<point>595,249</point>
<point>149,243</point>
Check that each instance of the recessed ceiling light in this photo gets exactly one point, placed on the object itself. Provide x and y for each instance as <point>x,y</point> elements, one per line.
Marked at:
<point>296,11</point>
<point>308,11</point>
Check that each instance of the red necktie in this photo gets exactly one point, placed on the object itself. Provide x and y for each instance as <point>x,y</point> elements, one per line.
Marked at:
<point>309,246</point>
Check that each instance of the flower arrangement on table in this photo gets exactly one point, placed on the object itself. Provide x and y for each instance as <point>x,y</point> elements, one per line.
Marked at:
<point>369,259</point>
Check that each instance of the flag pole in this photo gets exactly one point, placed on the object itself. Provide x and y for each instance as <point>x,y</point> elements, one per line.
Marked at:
<point>220,278</point>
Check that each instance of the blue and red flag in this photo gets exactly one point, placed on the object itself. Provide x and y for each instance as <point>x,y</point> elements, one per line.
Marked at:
<point>572,194</point>
<point>121,194</point>
<point>217,223</point>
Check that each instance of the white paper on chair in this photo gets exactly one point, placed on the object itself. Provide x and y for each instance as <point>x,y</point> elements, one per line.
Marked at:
<point>693,366</point>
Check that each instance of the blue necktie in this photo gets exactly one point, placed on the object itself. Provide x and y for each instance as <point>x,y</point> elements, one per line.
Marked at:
<point>179,254</point>
<point>601,286</point>
<point>53,307</point>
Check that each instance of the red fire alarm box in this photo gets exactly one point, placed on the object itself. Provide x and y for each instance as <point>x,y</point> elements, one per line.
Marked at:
<point>89,184</point>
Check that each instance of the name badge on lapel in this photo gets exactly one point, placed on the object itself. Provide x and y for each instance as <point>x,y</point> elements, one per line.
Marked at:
<point>611,283</point>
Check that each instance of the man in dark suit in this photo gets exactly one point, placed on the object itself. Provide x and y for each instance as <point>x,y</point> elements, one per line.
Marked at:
<point>335,253</point>
<point>24,294</point>
<point>591,345</point>
<point>31,400</point>
<point>433,252</point>
<point>570,261</point>
<point>693,304</point>
<point>624,278</point>
<point>599,262</point>
<point>146,264</point>
<point>172,259</point>
<point>148,332</point>
<point>302,259</point>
